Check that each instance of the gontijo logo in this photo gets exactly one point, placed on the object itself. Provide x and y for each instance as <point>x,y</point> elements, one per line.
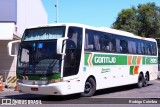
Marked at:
<point>105,59</point>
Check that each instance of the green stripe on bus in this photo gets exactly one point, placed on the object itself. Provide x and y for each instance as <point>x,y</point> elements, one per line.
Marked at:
<point>131,70</point>
<point>52,76</point>
<point>86,57</point>
<point>19,76</point>
<point>108,59</point>
<point>134,60</point>
<point>33,77</point>
<point>143,60</point>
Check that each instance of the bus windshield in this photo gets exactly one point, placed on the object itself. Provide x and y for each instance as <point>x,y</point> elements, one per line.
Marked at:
<point>38,57</point>
<point>37,52</point>
<point>44,33</point>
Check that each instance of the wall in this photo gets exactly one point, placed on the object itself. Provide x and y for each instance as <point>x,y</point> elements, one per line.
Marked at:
<point>7,63</point>
<point>8,11</point>
<point>6,30</point>
<point>30,13</point>
<point>15,16</point>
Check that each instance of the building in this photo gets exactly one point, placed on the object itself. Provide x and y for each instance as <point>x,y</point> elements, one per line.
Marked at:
<point>15,16</point>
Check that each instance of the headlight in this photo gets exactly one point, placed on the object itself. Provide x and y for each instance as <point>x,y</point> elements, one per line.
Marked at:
<point>55,80</point>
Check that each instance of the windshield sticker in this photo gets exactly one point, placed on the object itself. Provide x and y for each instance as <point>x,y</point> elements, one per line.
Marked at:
<point>40,45</point>
<point>34,44</point>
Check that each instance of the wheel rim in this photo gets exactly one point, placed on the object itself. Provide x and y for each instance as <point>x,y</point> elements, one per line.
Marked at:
<point>146,78</point>
<point>88,87</point>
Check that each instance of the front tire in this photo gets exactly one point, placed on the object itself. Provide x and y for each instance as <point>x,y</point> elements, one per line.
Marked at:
<point>90,88</point>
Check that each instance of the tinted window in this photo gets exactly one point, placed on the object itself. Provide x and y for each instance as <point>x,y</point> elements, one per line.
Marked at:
<point>73,51</point>
<point>106,42</point>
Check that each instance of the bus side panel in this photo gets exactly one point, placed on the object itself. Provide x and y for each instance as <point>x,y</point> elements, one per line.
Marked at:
<point>111,76</point>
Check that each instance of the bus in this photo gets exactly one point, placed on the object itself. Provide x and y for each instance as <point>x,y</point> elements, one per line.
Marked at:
<point>69,58</point>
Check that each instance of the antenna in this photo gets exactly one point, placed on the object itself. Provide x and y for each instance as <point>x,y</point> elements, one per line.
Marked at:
<point>56,6</point>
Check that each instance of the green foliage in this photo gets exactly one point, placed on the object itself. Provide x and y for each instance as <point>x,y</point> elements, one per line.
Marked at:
<point>143,20</point>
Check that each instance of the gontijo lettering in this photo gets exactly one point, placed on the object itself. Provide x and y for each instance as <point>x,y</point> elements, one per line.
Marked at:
<point>105,59</point>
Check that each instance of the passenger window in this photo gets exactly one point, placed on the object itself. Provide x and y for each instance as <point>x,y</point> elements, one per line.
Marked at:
<point>96,42</point>
<point>138,48</point>
<point>118,46</point>
<point>154,50</point>
<point>89,40</point>
<point>107,45</point>
<point>124,46</point>
<point>147,48</point>
<point>141,48</point>
<point>132,47</point>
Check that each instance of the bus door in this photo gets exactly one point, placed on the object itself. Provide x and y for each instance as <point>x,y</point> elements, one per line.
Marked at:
<point>73,51</point>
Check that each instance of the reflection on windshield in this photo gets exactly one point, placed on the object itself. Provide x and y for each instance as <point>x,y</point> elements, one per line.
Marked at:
<point>44,33</point>
<point>38,58</point>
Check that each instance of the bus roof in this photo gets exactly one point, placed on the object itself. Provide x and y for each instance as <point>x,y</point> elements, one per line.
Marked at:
<point>103,29</point>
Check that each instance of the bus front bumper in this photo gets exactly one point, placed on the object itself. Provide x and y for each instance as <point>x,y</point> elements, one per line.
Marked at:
<point>50,89</point>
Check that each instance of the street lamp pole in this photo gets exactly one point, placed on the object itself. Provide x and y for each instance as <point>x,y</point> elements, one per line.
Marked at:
<point>56,11</point>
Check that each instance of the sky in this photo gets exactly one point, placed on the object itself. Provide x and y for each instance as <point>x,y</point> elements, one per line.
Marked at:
<point>90,12</point>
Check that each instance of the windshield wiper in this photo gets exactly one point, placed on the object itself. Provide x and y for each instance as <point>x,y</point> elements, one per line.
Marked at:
<point>52,64</point>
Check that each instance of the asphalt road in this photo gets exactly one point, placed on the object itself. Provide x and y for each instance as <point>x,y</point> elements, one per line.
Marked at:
<point>118,96</point>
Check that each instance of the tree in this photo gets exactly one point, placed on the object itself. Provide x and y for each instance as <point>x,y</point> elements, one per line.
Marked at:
<point>143,20</point>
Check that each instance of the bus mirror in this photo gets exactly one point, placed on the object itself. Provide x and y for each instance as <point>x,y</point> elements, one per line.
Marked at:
<point>60,45</point>
<point>10,47</point>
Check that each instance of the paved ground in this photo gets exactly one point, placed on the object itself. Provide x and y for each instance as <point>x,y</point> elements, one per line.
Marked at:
<point>111,96</point>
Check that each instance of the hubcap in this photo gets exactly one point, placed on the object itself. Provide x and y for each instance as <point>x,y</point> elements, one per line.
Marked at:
<point>146,77</point>
<point>88,87</point>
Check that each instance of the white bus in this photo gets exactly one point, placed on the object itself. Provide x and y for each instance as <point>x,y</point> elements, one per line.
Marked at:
<point>63,59</point>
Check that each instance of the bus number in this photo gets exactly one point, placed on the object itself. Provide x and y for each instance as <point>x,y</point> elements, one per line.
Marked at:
<point>153,61</point>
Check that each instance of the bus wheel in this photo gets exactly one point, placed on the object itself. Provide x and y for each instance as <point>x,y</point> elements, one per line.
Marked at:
<point>146,79</point>
<point>140,81</point>
<point>90,88</point>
